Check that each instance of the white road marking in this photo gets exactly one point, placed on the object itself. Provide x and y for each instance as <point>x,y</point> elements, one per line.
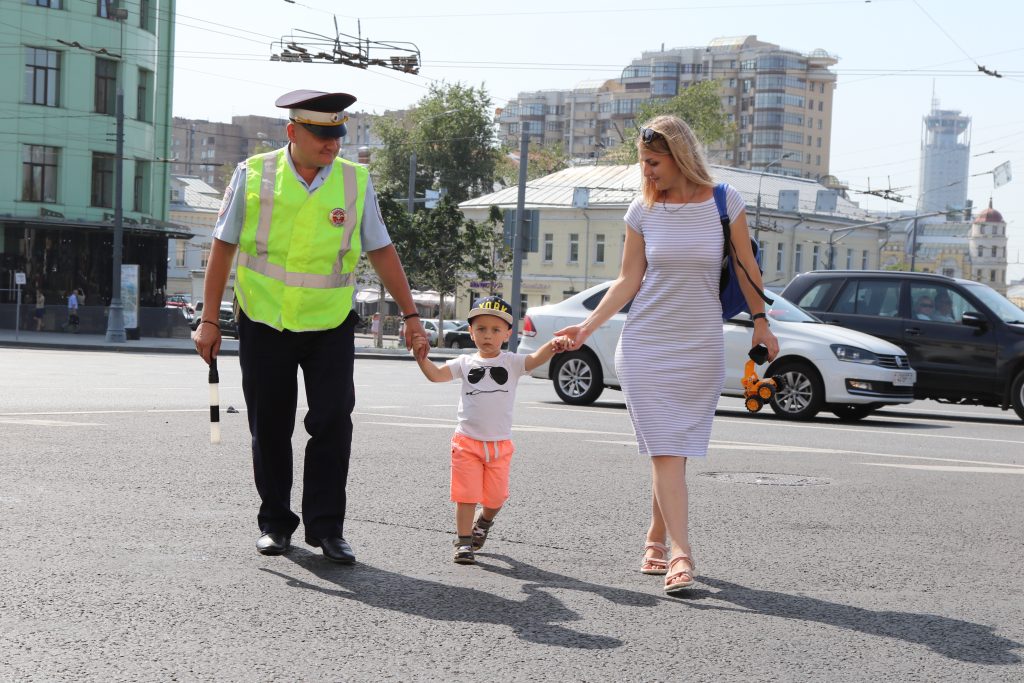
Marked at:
<point>52,423</point>
<point>947,468</point>
<point>615,443</point>
<point>789,425</point>
<point>740,445</point>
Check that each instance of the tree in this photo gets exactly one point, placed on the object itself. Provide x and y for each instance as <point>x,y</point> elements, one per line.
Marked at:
<point>451,131</point>
<point>399,224</point>
<point>488,252</point>
<point>542,161</point>
<point>700,105</point>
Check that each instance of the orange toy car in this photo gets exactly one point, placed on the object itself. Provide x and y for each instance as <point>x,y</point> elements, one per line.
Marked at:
<point>757,391</point>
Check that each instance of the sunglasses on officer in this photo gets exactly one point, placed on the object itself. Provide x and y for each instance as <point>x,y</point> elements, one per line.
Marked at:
<point>499,375</point>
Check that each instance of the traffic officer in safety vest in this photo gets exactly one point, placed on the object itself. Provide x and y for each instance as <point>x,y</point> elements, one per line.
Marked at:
<point>298,218</point>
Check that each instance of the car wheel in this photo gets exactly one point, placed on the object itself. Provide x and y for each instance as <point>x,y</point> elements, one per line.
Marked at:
<point>577,378</point>
<point>851,412</point>
<point>1017,397</point>
<point>453,344</point>
<point>802,393</point>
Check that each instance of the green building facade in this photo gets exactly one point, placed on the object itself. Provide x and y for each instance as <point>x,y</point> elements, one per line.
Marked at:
<point>63,63</point>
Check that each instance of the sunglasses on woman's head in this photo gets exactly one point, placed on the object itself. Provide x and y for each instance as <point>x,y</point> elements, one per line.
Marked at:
<point>499,375</point>
<point>649,135</point>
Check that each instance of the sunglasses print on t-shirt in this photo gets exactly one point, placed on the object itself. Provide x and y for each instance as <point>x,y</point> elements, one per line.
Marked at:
<point>498,374</point>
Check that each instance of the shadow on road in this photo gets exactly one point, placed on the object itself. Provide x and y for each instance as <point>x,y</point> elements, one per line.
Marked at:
<point>952,638</point>
<point>535,619</point>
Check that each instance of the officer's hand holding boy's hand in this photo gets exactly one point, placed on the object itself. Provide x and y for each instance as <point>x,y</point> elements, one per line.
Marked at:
<point>420,347</point>
<point>560,344</point>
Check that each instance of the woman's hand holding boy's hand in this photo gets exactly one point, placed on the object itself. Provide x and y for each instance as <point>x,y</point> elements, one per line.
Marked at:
<point>574,336</point>
<point>560,344</point>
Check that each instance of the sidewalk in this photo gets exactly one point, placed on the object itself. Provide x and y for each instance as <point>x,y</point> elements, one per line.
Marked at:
<point>229,347</point>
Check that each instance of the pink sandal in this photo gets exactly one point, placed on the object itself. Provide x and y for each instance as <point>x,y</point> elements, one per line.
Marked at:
<point>678,581</point>
<point>654,565</point>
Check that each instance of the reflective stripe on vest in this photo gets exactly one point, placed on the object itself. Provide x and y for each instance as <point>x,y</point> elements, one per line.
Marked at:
<point>305,225</point>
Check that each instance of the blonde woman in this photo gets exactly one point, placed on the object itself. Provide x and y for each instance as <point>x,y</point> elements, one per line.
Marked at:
<point>670,358</point>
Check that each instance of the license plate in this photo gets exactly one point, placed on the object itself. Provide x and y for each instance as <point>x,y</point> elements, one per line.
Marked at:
<point>903,379</point>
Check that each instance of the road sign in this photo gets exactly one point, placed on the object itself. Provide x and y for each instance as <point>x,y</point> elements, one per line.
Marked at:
<point>19,278</point>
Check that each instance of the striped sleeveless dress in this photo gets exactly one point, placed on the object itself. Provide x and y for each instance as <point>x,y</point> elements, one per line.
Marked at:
<point>671,355</point>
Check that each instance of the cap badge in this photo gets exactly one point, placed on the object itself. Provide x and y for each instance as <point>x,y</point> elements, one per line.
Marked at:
<point>337,217</point>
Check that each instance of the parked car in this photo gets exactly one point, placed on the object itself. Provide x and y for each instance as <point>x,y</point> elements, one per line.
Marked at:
<point>459,338</point>
<point>178,301</point>
<point>965,340</point>
<point>226,318</point>
<point>430,326</point>
<point>822,366</point>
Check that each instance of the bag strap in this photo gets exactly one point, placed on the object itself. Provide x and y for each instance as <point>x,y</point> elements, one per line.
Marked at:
<point>723,215</point>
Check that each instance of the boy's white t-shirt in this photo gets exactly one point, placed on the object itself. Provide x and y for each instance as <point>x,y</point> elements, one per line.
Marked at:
<point>486,406</point>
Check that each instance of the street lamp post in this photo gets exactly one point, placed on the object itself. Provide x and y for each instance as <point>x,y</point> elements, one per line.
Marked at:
<point>757,214</point>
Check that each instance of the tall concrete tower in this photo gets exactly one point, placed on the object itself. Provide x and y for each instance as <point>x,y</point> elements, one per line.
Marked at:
<point>945,156</point>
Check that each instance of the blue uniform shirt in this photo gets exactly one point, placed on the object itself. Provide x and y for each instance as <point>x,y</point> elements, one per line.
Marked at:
<point>372,231</point>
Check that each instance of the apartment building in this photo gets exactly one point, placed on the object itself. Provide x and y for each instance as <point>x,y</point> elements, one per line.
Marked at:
<point>779,100</point>
<point>210,150</point>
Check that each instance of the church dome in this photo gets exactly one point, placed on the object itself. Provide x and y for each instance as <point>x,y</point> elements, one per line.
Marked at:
<point>989,215</point>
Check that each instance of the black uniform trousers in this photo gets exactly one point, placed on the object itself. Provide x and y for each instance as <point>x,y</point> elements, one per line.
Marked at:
<point>270,360</point>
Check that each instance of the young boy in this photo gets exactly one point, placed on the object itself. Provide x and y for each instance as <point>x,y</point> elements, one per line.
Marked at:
<point>482,447</point>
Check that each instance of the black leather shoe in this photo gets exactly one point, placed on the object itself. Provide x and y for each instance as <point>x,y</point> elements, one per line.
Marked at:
<point>273,544</point>
<point>335,548</point>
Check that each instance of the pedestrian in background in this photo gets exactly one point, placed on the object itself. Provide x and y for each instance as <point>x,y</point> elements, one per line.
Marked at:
<point>40,309</point>
<point>671,354</point>
<point>482,445</point>
<point>72,322</point>
<point>299,217</point>
<point>375,330</point>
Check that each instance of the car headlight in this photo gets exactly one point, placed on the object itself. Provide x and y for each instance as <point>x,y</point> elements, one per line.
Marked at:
<point>854,354</point>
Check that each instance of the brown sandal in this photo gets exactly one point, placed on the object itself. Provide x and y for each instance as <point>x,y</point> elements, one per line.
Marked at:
<point>655,565</point>
<point>678,581</point>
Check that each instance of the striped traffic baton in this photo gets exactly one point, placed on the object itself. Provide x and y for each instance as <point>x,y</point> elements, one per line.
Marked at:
<point>214,402</point>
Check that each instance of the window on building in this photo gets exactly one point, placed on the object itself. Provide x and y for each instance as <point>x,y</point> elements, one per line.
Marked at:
<point>991,276</point>
<point>42,76</point>
<point>808,140</point>
<point>102,179</point>
<point>810,104</point>
<point>599,249</point>
<point>981,251</point>
<point>179,253</point>
<point>995,252</point>
<point>815,257</point>
<point>549,247</point>
<point>817,159</point>
<point>39,173</point>
<point>143,108</point>
<point>545,299</point>
<point>810,121</point>
<point>574,247</point>
<point>524,303</point>
<point>780,253</point>
<point>849,259</point>
<point>864,260</point>
<point>106,85</point>
<point>819,124</point>
<point>52,4</point>
<point>141,186</point>
<point>798,258</point>
<point>147,20</point>
<point>204,257</point>
<point>821,105</point>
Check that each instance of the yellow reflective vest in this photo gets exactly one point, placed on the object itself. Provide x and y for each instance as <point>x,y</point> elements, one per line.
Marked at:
<point>298,250</point>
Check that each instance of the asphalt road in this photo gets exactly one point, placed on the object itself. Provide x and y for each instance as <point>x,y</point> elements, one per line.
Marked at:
<point>889,548</point>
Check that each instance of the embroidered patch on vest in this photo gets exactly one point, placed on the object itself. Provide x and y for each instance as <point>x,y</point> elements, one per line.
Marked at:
<point>338,217</point>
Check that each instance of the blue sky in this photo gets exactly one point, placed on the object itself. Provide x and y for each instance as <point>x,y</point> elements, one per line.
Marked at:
<point>892,54</point>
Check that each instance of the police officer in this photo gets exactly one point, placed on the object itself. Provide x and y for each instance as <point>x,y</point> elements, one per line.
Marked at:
<point>298,218</point>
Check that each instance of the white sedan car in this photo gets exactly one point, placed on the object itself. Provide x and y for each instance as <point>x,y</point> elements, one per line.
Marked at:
<point>822,366</point>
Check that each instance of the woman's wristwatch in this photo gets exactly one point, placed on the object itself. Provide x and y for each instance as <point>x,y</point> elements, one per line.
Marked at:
<point>761,315</point>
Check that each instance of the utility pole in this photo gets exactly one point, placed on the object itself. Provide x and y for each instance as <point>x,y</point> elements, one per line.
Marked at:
<point>411,200</point>
<point>517,240</point>
<point>913,247</point>
<point>115,320</point>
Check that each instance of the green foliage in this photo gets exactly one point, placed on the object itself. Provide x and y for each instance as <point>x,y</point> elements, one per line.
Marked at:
<point>451,132</point>
<point>489,255</point>
<point>700,105</point>
<point>542,161</point>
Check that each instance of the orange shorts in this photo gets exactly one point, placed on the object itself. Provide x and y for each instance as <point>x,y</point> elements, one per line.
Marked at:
<point>480,470</point>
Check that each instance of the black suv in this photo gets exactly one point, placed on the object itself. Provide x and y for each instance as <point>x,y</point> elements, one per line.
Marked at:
<point>964,339</point>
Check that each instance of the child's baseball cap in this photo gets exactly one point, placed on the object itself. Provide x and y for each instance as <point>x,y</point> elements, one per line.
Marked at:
<point>492,305</point>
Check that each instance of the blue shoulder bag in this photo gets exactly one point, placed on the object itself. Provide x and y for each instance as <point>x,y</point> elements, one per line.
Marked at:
<point>729,292</point>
